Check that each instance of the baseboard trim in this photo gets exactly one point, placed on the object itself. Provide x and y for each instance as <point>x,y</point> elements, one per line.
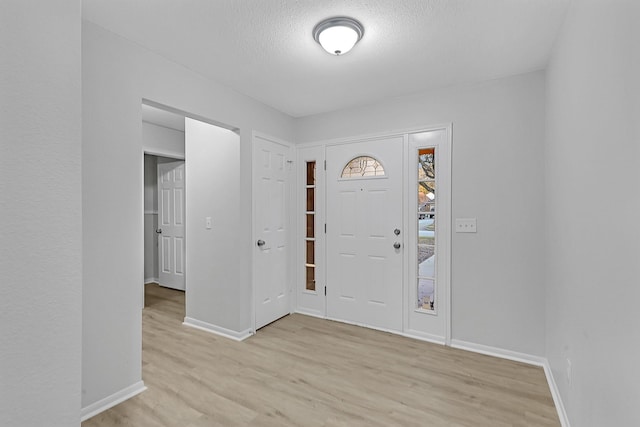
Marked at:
<point>524,358</point>
<point>111,401</point>
<point>217,330</point>
<point>421,336</point>
<point>555,393</point>
<point>416,335</point>
<point>363,325</point>
<point>499,352</point>
<point>310,313</point>
<point>151,280</point>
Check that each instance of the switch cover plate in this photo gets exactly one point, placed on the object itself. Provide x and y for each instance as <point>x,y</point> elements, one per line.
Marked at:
<point>466,225</point>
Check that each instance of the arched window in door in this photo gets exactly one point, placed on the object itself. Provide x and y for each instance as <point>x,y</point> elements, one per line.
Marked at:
<point>362,166</point>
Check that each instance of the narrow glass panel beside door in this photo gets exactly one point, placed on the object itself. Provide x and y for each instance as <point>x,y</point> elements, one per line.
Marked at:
<point>310,243</point>
<point>426,229</point>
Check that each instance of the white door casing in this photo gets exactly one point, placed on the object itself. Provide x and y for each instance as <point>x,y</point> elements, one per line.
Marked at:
<point>171,224</point>
<point>364,269</point>
<point>271,171</point>
<point>311,302</point>
<point>433,326</point>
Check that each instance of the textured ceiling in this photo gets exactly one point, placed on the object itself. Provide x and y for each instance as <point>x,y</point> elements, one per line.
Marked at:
<point>265,49</point>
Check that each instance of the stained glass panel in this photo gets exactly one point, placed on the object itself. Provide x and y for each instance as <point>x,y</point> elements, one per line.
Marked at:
<point>310,243</point>
<point>362,166</point>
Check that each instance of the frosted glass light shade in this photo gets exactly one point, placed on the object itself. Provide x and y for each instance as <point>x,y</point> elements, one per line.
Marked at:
<point>338,35</point>
<point>338,40</point>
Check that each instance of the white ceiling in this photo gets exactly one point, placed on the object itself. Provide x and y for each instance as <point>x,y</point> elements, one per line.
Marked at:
<point>265,48</point>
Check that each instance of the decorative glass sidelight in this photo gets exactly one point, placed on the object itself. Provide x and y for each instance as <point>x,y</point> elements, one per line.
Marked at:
<point>426,218</point>
<point>310,242</point>
<point>362,166</point>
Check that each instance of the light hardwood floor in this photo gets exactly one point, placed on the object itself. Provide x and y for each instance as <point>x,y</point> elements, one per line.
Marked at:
<point>303,371</point>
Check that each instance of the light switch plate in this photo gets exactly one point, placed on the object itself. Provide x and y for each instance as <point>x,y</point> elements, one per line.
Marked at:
<point>207,222</point>
<point>466,225</point>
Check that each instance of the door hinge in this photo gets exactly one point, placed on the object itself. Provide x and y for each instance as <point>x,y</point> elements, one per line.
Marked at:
<point>325,165</point>
<point>325,291</point>
<point>325,228</point>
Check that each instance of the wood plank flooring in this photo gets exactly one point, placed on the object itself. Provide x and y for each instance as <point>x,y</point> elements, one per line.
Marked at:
<point>303,371</point>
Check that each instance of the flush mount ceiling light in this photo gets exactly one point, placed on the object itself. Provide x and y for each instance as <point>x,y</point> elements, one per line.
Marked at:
<point>338,35</point>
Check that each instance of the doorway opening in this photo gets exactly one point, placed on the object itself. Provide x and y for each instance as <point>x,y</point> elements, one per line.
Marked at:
<point>164,260</point>
<point>199,189</point>
<point>163,137</point>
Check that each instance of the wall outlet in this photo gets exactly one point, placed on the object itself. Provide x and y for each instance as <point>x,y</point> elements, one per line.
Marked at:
<point>466,225</point>
<point>569,371</point>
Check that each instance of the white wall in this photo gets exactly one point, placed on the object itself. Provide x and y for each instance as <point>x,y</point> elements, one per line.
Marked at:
<point>150,218</point>
<point>40,214</point>
<point>498,134</point>
<point>161,140</point>
<point>151,183</point>
<point>593,236</point>
<point>212,190</point>
<point>117,75</point>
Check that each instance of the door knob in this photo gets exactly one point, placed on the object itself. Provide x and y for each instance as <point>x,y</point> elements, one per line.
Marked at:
<point>260,243</point>
<point>159,230</point>
<point>396,231</point>
<point>397,245</point>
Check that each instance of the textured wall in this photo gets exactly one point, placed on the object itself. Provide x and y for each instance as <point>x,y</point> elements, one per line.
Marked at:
<point>593,237</point>
<point>117,76</point>
<point>498,134</point>
<point>213,190</point>
<point>162,141</point>
<point>40,214</point>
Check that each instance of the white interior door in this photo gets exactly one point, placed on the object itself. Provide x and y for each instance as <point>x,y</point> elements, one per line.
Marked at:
<point>271,230</point>
<point>171,242</point>
<point>364,233</point>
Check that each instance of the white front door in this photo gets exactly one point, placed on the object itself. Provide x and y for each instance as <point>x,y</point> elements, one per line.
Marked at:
<point>171,224</point>
<point>271,230</point>
<point>364,233</point>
